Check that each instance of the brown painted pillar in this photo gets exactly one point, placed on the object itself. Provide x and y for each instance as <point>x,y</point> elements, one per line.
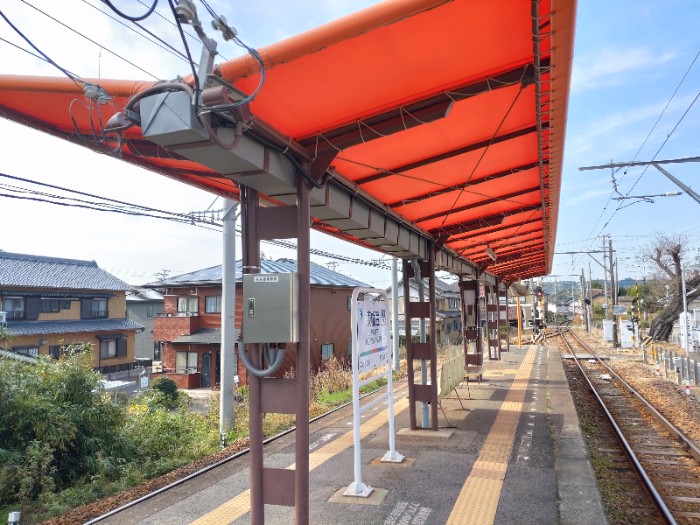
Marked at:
<point>301,482</point>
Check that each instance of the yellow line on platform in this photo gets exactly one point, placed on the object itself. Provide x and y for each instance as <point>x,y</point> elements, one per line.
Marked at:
<point>499,373</point>
<point>478,500</point>
<point>238,506</point>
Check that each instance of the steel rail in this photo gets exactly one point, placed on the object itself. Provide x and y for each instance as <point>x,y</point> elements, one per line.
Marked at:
<point>646,481</point>
<point>685,442</point>
<point>221,462</point>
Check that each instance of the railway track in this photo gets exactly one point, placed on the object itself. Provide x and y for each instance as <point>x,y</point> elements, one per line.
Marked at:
<point>648,448</point>
<point>325,419</point>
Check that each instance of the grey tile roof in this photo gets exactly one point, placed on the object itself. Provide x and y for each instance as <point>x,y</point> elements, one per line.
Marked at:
<point>21,270</point>
<point>144,295</point>
<point>19,328</point>
<point>320,275</point>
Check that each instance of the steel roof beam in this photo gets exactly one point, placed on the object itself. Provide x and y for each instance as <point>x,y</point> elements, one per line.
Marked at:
<point>467,247</point>
<point>477,254</point>
<point>484,202</point>
<point>468,183</point>
<point>411,115</point>
<point>526,245</point>
<point>459,228</point>
<point>449,154</point>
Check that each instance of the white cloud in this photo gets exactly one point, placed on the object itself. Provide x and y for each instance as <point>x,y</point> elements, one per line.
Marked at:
<point>610,67</point>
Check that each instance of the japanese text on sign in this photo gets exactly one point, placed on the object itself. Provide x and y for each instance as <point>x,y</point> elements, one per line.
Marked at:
<point>372,335</point>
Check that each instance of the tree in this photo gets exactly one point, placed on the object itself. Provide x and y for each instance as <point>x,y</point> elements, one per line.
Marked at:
<point>666,253</point>
<point>5,337</point>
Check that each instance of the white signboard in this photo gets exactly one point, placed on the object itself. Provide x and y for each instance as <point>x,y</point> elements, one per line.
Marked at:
<point>372,335</point>
<point>370,350</point>
<point>619,309</point>
<point>684,322</point>
<point>608,327</point>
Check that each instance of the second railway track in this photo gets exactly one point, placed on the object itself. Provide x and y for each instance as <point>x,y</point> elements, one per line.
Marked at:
<point>664,460</point>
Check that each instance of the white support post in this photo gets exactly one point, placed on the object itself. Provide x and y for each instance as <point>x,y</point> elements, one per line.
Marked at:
<point>228,320</point>
<point>370,351</point>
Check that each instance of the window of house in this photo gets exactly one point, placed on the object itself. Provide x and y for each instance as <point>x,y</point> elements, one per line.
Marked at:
<point>108,349</point>
<point>112,346</point>
<point>326,351</point>
<point>55,351</point>
<point>158,351</point>
<point>14,306</point>
<point>149,310</point>
<point>99,308</point>
<point>186,362</point>
<point>187,304</point>
<point>50,305</point>
<point>93,308</point>
<point>212,304</point>
<point>31,351</point>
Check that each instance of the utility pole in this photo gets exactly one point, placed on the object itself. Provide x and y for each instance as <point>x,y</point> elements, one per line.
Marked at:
<point>584,307</point>
<point>590,296</point>
<point>613,292</point>
<point>608,310</point>
<point>228,320</point>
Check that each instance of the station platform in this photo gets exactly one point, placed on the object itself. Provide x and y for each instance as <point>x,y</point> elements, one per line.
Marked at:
<point>513,455</point>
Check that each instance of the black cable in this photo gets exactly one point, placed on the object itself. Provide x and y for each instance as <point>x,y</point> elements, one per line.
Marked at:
<point>284,151</point>
<point>88,39</point>
<point>156,39</point>
<point>70,75</point>
<point>52,186</point>
<point>132,18</point>
<point>189,55</point>
<point>25,50</point>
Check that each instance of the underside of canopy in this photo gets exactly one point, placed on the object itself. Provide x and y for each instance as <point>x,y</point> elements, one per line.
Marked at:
<point>446,116</point>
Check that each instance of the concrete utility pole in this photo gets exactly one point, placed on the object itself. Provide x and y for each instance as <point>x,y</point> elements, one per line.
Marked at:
<point>228,320</point>
<point>613,291</point>
<point>584,307</point>
<point>608,310</point>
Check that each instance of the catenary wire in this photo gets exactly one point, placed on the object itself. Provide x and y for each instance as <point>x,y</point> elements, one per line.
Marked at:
<point>88,39</point>
<point>154,40</point>
<point>129,17</point>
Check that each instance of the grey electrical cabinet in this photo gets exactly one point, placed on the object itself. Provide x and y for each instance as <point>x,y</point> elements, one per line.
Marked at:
<point>270,308</point>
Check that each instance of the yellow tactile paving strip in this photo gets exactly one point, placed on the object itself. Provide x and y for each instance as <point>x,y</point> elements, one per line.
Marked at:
<point>478,500</point>
<point>240,505</point>
<point>499,373</point>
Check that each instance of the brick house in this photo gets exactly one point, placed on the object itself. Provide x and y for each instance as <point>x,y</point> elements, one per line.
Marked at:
<point>49,303</point>
<point>189,329</point>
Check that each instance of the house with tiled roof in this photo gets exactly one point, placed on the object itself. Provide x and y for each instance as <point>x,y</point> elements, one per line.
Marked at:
<point>448,310</point>
<point>48,303</point>
<point>189,329</point>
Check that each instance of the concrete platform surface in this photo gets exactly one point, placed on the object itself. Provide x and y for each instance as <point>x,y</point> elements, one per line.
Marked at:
<point>515,456</point>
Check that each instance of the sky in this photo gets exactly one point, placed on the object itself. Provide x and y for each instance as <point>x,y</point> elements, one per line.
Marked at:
<point>633,97</point>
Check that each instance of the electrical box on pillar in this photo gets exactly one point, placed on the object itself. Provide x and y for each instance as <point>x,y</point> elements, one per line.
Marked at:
<point>270,312</point>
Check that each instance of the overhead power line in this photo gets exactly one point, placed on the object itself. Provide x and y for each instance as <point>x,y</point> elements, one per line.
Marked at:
<point>106,204</point>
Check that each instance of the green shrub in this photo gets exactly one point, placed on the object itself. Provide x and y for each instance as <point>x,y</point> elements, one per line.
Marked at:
<point>165,385</point>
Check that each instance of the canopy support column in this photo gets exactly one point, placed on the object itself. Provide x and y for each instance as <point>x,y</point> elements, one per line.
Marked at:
<point>426,351</point>
<point>275,486</point>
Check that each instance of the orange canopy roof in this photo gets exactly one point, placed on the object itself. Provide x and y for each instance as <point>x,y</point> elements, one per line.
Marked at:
<point>449,114</point>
